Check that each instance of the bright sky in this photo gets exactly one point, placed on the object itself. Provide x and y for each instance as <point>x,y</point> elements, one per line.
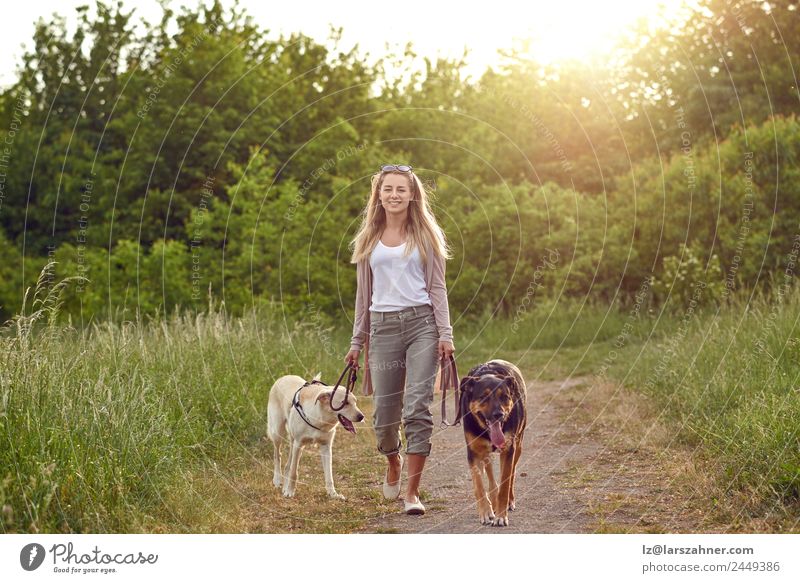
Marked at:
<point>560,29</point>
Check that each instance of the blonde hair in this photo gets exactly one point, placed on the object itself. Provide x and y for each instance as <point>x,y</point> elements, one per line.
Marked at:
<point>421,227</point>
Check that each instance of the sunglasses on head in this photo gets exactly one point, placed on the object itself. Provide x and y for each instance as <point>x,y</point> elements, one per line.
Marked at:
<point>396,167</point>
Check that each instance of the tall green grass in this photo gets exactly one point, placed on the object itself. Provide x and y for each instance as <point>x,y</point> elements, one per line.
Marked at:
<point>95,425</point>
<point>727,380</point>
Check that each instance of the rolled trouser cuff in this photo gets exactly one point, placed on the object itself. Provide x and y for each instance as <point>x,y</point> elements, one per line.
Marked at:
<point>391,451</point>
<point>419,449</point>
<point>418,434</point>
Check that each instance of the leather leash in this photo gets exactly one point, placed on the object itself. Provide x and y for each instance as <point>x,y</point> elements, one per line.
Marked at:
<point>449,379</point>
<point>349,388</point>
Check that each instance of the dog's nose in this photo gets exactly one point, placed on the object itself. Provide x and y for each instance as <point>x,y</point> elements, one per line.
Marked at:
<point>360,417</point>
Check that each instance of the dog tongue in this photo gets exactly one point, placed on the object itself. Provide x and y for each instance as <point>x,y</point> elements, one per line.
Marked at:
<point>496,434</point>
<point>347,424</point>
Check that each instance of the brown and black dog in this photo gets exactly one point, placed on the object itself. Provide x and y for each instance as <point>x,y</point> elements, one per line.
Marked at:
<point>492,407</point>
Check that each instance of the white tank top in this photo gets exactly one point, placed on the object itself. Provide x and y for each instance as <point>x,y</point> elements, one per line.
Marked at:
<point>397,281</point>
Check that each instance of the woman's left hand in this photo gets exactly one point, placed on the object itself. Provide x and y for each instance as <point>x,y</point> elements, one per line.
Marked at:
<point>446,348</point>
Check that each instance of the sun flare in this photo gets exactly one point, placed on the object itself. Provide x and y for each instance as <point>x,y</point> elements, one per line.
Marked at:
<point>574,29</point>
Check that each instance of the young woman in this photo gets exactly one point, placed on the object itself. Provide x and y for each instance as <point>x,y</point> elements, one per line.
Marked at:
<point>402,320</point>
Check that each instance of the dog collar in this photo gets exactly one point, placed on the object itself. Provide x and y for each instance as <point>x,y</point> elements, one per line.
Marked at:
<point>299,408</point>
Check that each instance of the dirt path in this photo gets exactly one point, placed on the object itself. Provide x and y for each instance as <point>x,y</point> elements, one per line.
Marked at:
<point>578,471</point>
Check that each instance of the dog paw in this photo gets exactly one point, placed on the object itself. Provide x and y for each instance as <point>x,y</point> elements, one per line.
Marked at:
<point>500,521</point>
<point>277,482</point>
<point>486,515</point>
<point>288,493</point>
<point>512,506</point>
<point>336,496</point>
<point>487,519</point>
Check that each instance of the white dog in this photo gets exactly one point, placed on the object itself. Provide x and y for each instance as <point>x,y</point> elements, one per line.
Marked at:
<point>302,410</point>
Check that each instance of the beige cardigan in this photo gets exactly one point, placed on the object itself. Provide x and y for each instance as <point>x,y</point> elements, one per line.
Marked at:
<point>436,288</point>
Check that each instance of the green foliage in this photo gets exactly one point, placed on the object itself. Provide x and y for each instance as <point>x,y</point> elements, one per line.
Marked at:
<point>686,280</point>
<point>162,164</point>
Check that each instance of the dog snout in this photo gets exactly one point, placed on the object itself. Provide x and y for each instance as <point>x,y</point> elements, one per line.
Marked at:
<point>360,416</point>
<point>496,415</point>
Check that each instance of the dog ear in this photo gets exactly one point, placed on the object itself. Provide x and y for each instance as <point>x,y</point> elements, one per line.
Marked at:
<point>466,394</point>
<point>466,383</point>
<point>510,381</point>
<point>324,397</point>
<point>317,376</point>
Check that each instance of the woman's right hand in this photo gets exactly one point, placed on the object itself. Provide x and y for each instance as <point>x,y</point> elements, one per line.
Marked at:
<point>352,357</point>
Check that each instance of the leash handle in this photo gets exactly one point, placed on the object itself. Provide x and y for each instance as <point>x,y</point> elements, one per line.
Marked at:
<point>449,379</point>
<point>351,385</point>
